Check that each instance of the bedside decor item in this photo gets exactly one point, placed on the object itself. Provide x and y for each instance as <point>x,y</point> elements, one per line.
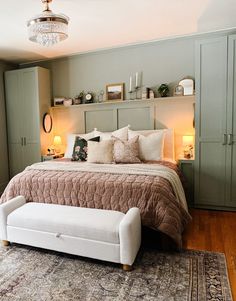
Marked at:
<point>163,90</point>
<point>188,86</point>
<point>48,28</point>
<point>178,90</point>
<point>188,146</point>
<point>59,101</point>
<point>81,148</point>
<point>115,92</point>
<point>89,97</point>
<point>57,142</point>
<point>126,151</point>
<point>47,123</point>
<point>68,102</point>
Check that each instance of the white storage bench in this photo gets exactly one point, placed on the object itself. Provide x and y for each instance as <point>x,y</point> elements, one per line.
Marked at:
<point>100,234</point>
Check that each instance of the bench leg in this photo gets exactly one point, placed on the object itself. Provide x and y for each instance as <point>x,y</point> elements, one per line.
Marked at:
<point>127,267</point>
<point>5,243</point>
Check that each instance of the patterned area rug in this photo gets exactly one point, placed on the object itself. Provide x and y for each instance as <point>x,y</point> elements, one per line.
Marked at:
<point>28,274</point>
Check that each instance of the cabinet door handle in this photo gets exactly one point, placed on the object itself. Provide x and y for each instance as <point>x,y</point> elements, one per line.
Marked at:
<point>24,140</point>
<point>224,139</point>
<point>230,139</point>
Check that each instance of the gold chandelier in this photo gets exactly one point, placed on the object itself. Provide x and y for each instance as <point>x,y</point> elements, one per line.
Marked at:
<point>48,28</point>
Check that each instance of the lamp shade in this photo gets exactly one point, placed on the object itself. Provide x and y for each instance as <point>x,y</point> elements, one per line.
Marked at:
<point>57,140</point>
<point>187,140</point>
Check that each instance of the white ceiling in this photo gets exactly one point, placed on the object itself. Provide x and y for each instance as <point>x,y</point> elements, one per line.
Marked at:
<point>98,24</point>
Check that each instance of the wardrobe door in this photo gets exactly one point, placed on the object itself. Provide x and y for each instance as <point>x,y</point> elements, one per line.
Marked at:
<point>231,125</point>
<point>211,95</point>
<point>14,107</point>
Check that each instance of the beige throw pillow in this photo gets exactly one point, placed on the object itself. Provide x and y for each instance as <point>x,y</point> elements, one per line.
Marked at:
<point>126,151</point>
<point>100,152</point>
<point>151,147</point>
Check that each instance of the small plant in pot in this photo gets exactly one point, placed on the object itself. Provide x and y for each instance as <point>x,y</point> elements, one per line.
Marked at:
<point>163,90</point>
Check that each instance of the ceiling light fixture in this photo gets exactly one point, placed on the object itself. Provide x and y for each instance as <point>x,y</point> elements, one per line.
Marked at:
<point>48,28</point>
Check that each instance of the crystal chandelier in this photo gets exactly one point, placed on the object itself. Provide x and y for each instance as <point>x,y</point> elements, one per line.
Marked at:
<point>48,28</point>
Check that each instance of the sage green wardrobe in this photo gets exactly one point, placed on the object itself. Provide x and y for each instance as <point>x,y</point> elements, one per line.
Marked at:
<point>215,163</point>
<point>27,99</point>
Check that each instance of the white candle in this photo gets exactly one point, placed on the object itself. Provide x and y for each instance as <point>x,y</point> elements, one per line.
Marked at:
<point>136,80</point>
<point>130,84</point>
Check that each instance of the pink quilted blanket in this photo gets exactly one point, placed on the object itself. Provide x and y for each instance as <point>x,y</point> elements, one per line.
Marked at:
<point>153,195</point>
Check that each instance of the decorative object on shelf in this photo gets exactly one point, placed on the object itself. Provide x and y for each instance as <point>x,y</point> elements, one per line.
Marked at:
<point>188,146</point>
<point>57,142</point>
<point>188,86</point>
<point>79,98</point>
<point>178,90</point>
<point>137,85</point>
<point>100,96</point>
<point>59,101</point>
<point>115,92</point>
<point>151,94</point>
<point>145,92</point>
<point>48,28</point>
<point>89,97</point>
<point>163,90</point>
<point>68,102</point>
<point>47,123</point>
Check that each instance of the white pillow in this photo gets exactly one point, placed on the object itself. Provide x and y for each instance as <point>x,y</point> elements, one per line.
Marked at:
<point>169,150</point>
<point>100,152</point>
<point>71,142</point>
<point>121,134</point>
<point>151,146</point>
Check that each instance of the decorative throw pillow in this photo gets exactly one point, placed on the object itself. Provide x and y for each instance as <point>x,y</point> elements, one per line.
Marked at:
<point>151,147</point>
<point>100,152</point>
<point>126,151</point>
<point>121,134</point>
<point>71,142</point>
<point>81,147</point>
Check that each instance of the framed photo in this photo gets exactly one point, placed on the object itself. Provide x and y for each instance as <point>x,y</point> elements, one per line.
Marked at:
<point>115,92</point>
<point>58,101</point>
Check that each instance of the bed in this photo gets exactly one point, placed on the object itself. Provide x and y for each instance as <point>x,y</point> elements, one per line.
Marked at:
<point>155,188</point>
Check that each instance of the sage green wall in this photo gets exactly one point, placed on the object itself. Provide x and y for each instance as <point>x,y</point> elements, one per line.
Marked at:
<point>160,62</point>
<point>4,174</point>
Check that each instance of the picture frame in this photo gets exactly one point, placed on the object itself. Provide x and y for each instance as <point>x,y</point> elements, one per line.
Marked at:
<point>178,90</point>
<point>115,92</point>
<point>59,101</point>
<point>188,86</point>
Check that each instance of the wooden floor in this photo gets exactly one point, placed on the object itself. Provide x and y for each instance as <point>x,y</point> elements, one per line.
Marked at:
<point>214,231</point>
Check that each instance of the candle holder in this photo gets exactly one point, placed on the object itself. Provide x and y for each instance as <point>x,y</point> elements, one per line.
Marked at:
<point>137,89</point>
<point>130,95</point>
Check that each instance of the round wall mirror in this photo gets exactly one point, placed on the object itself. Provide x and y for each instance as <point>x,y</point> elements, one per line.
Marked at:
<point>47,123</point>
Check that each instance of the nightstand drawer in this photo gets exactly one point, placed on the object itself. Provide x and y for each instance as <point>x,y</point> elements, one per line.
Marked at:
<point>187,168</point>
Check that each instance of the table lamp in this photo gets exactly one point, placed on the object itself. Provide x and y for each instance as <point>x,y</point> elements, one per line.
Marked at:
<point>57,142</point>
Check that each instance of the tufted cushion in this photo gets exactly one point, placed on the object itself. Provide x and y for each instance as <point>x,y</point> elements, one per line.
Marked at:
<point>126,151</point>
<point>94,224</point>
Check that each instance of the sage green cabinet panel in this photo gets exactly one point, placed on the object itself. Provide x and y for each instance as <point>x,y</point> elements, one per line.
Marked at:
<point>137,118</point>
<point>211,184</point>
<point>16,158</point>
<point>14,106</point>
<point>211,108</point>
<point>103,120</point>
<point>27,100</point>
<point>30,104</point>
<point>212,80</point>
<point>231,125</point>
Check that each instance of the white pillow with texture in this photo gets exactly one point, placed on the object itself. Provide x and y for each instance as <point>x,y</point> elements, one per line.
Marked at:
<point>71,142</point>
<point>169,150</point>
<point>151,147</point>
<point>100,152</point>
<point>121,134</point>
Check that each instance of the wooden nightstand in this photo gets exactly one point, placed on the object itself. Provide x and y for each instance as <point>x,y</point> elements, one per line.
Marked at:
<point>187,168</point>
<point>52,157</point>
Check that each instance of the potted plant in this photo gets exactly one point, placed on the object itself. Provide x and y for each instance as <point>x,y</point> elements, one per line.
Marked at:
<point>163,90</point>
